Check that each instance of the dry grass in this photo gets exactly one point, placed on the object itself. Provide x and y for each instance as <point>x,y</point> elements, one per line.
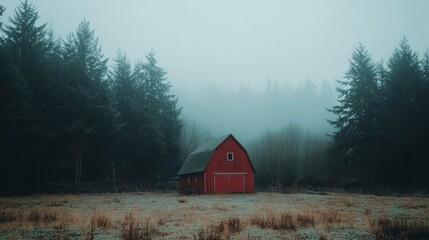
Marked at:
<point>284,221</point>
<point>10,215</point>
<point>305,220</point>
<point>332,217</point>
<point>247,216</point>
<point>222,230</point>
<point>101,220</point>
<point>400,228</point>
<point>221,206</point>
<point>42,217</point>
<point>37,217</point>
<point>133,229</point>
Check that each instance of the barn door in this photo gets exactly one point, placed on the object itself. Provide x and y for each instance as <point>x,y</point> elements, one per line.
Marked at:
<point>237,183</point>
<point>229,183</point>
<point>221,183</point>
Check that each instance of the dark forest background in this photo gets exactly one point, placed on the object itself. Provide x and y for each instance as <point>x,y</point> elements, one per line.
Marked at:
<point>67,117</point>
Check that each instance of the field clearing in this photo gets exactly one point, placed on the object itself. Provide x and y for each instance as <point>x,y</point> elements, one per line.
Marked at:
<point>235,216</point>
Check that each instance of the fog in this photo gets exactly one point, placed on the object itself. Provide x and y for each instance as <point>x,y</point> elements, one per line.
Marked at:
<point>247,112</point>
<point>246,66</point>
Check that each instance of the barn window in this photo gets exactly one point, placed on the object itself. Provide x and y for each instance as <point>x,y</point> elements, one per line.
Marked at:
<point>230,156</point>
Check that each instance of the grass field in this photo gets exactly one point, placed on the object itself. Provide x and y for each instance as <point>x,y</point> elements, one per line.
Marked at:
<point>237,216</point>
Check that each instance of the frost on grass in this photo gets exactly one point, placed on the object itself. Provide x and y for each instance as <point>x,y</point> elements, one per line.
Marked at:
<point>237,216</point>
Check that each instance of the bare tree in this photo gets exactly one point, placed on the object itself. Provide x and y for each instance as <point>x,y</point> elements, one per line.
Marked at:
<point>190,138</point>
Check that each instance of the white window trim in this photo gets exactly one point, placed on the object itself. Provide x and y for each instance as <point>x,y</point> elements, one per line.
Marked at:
<point>227,154</point>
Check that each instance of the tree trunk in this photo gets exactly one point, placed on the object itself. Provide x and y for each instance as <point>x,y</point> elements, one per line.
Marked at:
<point>38,169</point>
<point>78,163</point>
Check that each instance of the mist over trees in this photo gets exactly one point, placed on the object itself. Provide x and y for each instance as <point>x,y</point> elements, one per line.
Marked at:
<point>382,118</point>
<point>67,116</point>
<point>380,124</point>
<point>290,156</point>
<point>248,112</point>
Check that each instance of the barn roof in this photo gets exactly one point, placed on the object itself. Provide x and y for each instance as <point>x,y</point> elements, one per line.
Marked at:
<point>198,160</point>
<point>200,157</point>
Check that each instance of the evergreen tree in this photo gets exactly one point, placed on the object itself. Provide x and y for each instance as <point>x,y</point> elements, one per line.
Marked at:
<point>1,14</point>
<point>423,162</point>
<point>89,117</point>
<point>355,139</point>
<point>161,124</point>
<point>403,101</point>
<point>130,115</point>
<point>27,46</point>
<point>15,112</point>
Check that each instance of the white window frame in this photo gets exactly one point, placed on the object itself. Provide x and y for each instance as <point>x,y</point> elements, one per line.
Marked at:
<point>227,156</point>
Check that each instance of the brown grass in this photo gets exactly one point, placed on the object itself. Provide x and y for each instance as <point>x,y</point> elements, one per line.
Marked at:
<point>400,228</point>
<point>220,206</point>
<point>101,220</point>
<point>153,215</point>
<point>36,217</point>
<point>133,229</point>
<point>222,230</point>
<point>42,216</point>
<point>10,215</point>
<point>305,220</point>
<point>284,221</point>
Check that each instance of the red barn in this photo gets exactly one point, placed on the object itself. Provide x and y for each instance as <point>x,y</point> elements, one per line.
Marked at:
<point>221,165</point>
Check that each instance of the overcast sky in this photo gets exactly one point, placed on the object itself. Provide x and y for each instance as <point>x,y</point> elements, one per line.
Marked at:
<point>211,48</point>
<point>242,42</point>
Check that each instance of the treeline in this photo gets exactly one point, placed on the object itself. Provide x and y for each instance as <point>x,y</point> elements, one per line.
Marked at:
<point>290,156</point>
<point>382,118</point>
<point>66,117</point>
<point>381,130</point>
<point>248,111</point>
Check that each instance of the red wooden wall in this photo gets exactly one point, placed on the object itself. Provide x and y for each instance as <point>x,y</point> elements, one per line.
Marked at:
<point>223,176</point>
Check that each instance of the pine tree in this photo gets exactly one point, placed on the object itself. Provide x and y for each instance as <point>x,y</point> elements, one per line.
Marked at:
<point>130,116</point>
<point>423,161</point>
<point>403,84</point>
<point>355,138</point>
<point>28,45</point>
<point>161,123</point>
<point>89,114</point>
<point>1,14</point>
<point>15,112</point>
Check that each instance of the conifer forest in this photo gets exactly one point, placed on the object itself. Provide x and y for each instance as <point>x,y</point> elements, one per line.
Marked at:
<point>71,115</point>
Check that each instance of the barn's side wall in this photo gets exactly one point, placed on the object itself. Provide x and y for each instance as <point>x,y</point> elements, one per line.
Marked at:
<point>192,182</point>
<point>220,164</point>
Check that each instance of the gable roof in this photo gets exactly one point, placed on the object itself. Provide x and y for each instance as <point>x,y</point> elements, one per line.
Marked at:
<point>198,160</point>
